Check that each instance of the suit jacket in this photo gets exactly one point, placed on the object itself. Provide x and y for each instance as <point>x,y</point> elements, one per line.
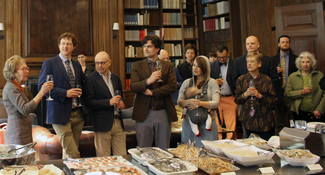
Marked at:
<point>292,68</point>
<point>98,100</point>
<point>215,72</point>
<point>59,110</point>
<point>140,72</point>
<point>268,68</point>
<point>185,71</point>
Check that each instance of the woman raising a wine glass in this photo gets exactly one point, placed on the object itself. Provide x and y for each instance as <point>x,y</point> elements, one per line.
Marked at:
<point>256,93</point>
<point>19,128</point>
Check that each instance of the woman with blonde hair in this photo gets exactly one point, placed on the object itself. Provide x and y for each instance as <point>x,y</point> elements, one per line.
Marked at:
<point>18,107</point>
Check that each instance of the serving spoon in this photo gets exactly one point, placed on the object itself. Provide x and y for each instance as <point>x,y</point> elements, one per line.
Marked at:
<point>14,150</point>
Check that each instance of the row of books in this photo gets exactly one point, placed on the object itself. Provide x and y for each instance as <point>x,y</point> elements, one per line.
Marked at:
<point>137,19</point>
<point>141,3</point>
<point>216,24</point>
<point>176,62</point>
<point>173,49</point>
<point>216,9</point>
<point>132,51</point>
<point>172,19</point>
<point>173,4</point>
<point>165,33</point>
<point>189,32</point>
<point>138,35</point>
<point>128,66</point>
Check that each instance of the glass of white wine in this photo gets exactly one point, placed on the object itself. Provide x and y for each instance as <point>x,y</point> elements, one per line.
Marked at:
<point>159,67</point>
<point>79,97</point>
<point>49,77</point>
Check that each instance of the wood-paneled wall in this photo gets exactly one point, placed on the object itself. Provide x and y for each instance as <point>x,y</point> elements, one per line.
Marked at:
<point>258,18</point>
<point>104,14</point>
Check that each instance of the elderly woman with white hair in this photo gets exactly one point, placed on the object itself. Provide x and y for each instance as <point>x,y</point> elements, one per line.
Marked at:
<point>18,107</point>
<point>308,99</point>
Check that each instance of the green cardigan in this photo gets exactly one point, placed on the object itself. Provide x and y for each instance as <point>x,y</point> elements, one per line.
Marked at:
<point>295,85</point>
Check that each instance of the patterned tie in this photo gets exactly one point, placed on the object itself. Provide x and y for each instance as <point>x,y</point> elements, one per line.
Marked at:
<point>70,74</point>
<point>283,66</point>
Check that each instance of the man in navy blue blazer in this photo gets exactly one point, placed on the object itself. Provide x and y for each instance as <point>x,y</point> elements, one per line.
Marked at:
<point>63,112</point>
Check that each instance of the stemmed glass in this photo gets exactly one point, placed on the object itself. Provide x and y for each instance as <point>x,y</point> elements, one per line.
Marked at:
<point>49,77</point>
<point>79,99</point>
<point>220,76</point>
<point>117,93</point>
<point>159,67</point>
<point>252,111</point>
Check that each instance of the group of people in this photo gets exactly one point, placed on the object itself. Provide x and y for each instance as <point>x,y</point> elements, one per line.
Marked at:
<point>265,89</point>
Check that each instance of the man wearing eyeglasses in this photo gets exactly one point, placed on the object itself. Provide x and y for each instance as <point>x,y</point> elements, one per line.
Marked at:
<point>221,70</point>
<point>153,109</point>
<point>105,103</point>
<point>285,61</point>
<point>63,112</point>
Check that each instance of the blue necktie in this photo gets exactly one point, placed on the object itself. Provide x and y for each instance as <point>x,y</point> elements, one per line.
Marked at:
<point>70,74</point>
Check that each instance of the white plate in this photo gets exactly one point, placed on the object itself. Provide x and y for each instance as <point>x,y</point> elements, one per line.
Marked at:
<point>134,151</point>
<point>248,161</point>
<point>210,145</point>
<point>265,146</point>
<point>190,168</point>
<point>298,162</point>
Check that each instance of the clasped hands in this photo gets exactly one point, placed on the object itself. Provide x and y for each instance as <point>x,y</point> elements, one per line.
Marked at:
<point>252,91</point>
<point>306,90</point>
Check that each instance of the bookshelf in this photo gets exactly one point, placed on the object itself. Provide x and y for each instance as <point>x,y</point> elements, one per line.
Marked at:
<point>220,25</point>
<point>174,21</point>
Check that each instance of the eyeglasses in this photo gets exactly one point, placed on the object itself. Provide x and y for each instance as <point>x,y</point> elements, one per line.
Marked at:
<point>101,63</point>
<point>81,57</point>
<point>24,69</point>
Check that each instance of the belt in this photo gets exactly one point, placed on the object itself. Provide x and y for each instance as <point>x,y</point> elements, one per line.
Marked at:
<point>75,109</point>
<point>156,108</point>
<point>227,95</point>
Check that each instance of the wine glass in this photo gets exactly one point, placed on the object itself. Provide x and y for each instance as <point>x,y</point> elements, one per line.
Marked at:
<point>49,77</point>
<point>117,93</point>
<point>79,99</point>
<point>311,88</point>
<point>158,67</point>
<point>220,77</point>
<point>251,84</point>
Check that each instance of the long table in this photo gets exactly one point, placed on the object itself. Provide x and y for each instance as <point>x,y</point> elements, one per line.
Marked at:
<point>280,167</point>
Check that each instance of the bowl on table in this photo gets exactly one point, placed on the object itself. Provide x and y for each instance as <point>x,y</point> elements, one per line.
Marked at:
<point>6,159</point>
<point>248,155</point>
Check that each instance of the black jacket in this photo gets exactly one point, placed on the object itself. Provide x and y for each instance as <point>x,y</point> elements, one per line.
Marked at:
<point>215,72</point>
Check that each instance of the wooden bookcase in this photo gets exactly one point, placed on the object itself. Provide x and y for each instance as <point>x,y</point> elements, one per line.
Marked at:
<point>229,35</point>
<point>174,21</point>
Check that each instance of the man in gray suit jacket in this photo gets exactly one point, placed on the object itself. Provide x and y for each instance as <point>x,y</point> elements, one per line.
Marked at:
<point>107,121</point>
<point>154,109</point>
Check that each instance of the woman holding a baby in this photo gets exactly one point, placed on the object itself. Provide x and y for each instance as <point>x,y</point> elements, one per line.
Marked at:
<point>199,96</point>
